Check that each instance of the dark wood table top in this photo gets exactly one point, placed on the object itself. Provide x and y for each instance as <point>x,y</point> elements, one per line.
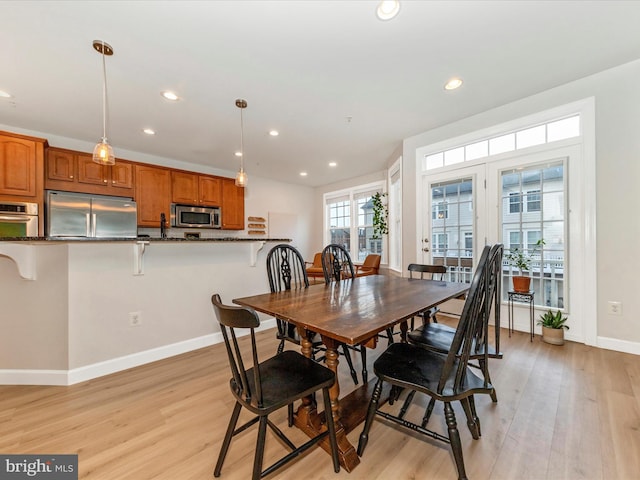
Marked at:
<point>352,311</point>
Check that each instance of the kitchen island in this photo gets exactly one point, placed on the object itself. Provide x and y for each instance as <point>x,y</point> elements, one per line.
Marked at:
<point>97,306</point>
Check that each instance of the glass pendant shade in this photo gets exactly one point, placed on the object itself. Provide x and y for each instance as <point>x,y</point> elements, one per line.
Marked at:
<point>103,153</point>
<point>241,178</point>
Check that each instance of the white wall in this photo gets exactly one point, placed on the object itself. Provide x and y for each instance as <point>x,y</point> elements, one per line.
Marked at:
<point>618,174</point>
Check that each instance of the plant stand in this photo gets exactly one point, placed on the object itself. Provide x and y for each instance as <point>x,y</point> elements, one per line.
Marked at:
<point>521,297</point>
<point>554,336</point>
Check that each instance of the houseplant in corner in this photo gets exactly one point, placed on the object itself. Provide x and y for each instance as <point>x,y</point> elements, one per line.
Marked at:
<point>521,260</point>
<point>553,327</point>
<point>380,214</point>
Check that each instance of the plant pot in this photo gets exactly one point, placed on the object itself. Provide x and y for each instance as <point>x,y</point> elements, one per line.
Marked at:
<point>521,284</point>
<point>554,336</point>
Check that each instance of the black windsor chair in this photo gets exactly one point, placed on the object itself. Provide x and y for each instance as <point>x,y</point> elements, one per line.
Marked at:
<point>268,386</point>
<point>445,377</point>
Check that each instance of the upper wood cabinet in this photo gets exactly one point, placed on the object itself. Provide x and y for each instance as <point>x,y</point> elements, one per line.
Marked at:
<point>152,194</point>
<point>232,208</point>
<point>77,172</point>
<point>193,189</point>
<point>19,165</point>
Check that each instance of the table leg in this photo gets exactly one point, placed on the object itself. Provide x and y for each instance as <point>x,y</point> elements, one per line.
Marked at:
<point>310,421</point>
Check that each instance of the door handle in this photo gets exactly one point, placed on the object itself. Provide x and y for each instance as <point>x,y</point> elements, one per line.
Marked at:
<point>425,249</point>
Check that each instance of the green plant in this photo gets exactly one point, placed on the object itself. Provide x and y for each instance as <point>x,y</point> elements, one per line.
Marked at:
<point>520,259</point>
<point>380,214</point>
<point>551,319</point>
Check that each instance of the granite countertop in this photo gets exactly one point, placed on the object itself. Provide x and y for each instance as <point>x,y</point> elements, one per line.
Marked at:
<point>142,239</point>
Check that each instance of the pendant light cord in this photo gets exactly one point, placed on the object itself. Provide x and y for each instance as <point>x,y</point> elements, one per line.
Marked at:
<point>104,95</point>
<point>241,142</point>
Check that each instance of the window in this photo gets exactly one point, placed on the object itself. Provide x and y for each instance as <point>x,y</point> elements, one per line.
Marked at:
<point>533,201</point>
<point>515,205</point>
<point>349,220</point>
<point>339,213</point>
<point>543,218</point>
<point>440,211</point>
<point>440,244</point>
<point>528,137</point>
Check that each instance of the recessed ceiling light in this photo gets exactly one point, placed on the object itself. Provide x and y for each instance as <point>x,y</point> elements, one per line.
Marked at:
<point>4,94</point>
<point>303,174</point>
<point>238,154</point>
<point>170,95</point>
<point>274,133</point>
<point>149,131</point>
<point>332,164</point>
<point>387,9</point>
<point>453,84</point>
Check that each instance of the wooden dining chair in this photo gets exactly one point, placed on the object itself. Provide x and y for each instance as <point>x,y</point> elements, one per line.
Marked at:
<point>438,337</point>
<point>370,266</point>
<point>314,269</point>
<point>443,377</point>
<point>286,271</point>
<point>336,263</point>
<point>429,272</point>
<point>268,386</point>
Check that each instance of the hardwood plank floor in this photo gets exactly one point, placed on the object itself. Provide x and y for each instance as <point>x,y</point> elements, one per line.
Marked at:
<point>570,412</point>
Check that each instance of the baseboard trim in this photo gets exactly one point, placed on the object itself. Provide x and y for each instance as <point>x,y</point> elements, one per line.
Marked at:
<point>618,345</point>
<point>114,365</point>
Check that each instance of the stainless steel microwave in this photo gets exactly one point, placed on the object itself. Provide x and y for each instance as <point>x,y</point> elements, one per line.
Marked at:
<point>189,216</point>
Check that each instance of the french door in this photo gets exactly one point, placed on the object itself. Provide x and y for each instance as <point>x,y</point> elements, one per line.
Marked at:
<point>454,225</point>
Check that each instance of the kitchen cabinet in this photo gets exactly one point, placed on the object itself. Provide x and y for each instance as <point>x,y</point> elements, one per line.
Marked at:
<point>20,166</point>
<point>232,208</point>
<point>152,194</point>
<point>193,189</point>
<point>22,170</point>
<point>76,172</point>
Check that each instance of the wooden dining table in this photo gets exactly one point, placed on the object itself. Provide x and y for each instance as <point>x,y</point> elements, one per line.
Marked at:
<point>352,312</point>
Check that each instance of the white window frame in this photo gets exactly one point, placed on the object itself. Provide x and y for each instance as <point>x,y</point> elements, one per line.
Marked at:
<point>352,193</point>
<point>582,221</point>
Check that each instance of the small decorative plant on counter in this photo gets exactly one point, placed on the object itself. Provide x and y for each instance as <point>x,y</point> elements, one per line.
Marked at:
<point>553,327</point>
<point>380,214</point>
<point>521,260</point>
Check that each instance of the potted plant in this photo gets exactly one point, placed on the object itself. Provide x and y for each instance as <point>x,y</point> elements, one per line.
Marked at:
<point>521,260</point>
<point>553,327</point>
<point>380,213</point>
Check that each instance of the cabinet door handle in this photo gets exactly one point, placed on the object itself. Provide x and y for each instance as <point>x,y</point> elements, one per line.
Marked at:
<point>70,176</point>
<point>105,180</point>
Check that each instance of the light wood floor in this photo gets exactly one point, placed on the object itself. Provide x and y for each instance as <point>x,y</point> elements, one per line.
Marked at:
<point>570,412</point>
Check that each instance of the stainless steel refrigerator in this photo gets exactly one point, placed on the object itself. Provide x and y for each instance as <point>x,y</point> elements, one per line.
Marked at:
<point>92,216</point>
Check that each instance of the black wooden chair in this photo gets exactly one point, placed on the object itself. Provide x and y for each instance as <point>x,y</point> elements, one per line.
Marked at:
<point>439,337</point>
<point>336,263</point>
<point>268,386</point>
<point>337,266</point>
<point>286,270</point>
<point>433,272</point>
<point>443,377</point>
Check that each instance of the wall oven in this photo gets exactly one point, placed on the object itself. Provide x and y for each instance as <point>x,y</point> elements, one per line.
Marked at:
<point>18,219</point>
<point>188,216</point>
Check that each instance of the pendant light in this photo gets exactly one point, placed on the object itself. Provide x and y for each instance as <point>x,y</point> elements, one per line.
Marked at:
<point>103,152</point>
<point>241,176</point>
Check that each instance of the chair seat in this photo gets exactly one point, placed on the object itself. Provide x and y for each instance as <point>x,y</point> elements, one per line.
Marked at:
<point>438,337</point>
<point>415,368</point>
<point>286,376</point>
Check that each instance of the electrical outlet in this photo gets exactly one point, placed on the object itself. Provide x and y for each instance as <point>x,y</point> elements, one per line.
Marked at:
<point>135,319</point>
<point>615,308</point>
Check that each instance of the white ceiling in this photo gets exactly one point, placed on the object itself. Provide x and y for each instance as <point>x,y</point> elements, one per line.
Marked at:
<point>304,67</point>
